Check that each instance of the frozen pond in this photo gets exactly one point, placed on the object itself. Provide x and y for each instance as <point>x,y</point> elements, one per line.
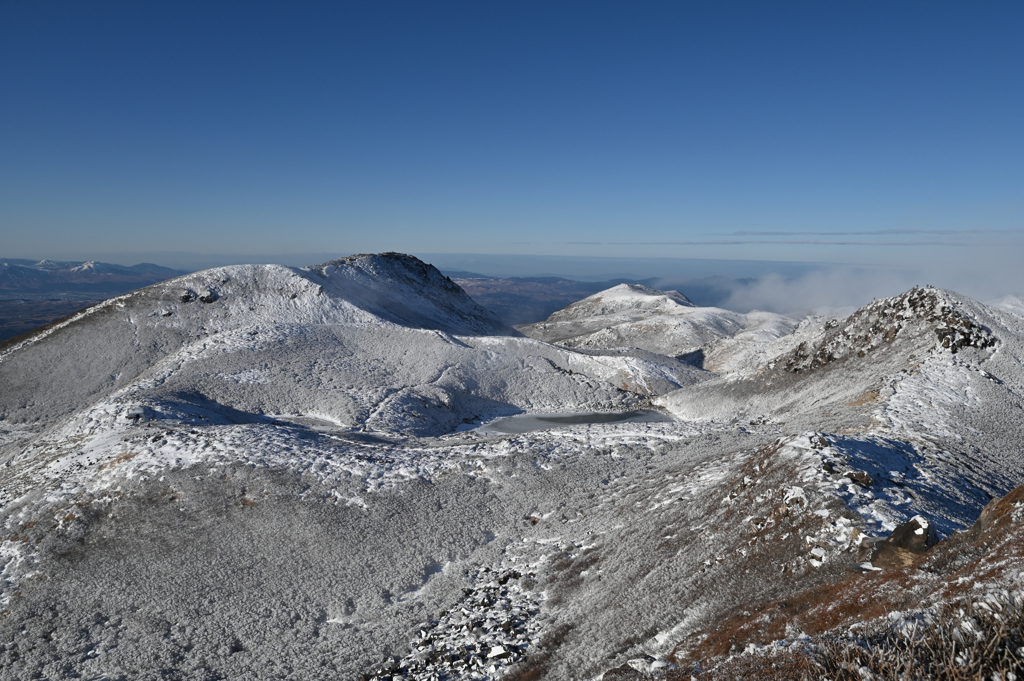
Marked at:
<point>524,423</point>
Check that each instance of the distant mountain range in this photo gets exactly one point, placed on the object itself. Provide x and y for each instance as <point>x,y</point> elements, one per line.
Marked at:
<point>525,300</point>
<point>21,278</point>
<point>36,292</point>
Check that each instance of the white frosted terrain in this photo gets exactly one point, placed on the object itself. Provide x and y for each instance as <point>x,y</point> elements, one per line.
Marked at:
<point>273,472</point>
<point>1011,303</point>
<point>664,322</point>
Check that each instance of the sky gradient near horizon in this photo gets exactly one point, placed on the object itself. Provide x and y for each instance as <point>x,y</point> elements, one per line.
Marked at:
<point>870,133</point>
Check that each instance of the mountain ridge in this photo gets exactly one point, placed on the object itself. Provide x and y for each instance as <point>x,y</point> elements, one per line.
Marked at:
<point>23,276</point>
<point>263,471</point>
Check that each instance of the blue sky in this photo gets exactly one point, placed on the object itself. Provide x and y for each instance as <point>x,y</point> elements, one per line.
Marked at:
<point>847,132</point>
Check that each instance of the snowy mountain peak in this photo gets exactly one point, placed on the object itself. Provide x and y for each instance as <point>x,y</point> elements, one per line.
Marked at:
<point>90,266</point>
<point>229,311</point>
<point>932,315</point>
<point>664,322</point>
<point>405,290</point>
<point>624,298</point>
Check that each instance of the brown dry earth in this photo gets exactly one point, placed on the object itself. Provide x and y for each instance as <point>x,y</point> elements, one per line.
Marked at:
<point>983,554</point>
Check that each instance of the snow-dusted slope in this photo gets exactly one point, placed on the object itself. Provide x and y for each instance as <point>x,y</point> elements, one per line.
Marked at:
<point>763,336</point>
<point>1012,303</point>
<point>665,322</point>
<point>929,368</point>
<point>107,346</point>
<point>362,341</point>
<point>268,472</point>
<point>407,291</point>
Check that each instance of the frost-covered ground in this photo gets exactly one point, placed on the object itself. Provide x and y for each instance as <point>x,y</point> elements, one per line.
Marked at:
<point>270,472</point>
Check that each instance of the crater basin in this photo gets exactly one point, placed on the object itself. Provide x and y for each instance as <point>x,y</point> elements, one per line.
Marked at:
<point>525,423</point>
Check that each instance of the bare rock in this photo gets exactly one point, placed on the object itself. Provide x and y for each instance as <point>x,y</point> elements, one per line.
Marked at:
<point>623,673</point>
<point>860,477</point>
<point>908,541</point>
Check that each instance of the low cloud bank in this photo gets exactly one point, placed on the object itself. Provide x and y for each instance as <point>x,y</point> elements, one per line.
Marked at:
<point>844,286</point>
<point>833,288</point>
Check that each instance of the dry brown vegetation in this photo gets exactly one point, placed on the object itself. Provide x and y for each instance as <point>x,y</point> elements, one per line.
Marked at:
<point>867,398</point>
<point>976,641</point>
<point>971,640</point>
<point>993,642</point>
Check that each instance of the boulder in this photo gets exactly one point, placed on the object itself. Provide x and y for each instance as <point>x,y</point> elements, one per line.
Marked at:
<point>908,541</point>
<point>860,477</point>
<point>995,511</point>
<point>623,673</point>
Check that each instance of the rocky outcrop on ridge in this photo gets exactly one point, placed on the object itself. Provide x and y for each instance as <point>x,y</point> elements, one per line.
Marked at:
<point>882,322</point>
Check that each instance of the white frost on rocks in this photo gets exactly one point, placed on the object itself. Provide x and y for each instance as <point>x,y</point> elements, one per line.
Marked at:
<point>887,482</point>
<point>477,638</point>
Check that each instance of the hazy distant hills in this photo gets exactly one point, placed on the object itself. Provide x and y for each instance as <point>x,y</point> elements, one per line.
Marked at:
<point>20,278</point>
<point>36,292</point>
<point>525,300</point>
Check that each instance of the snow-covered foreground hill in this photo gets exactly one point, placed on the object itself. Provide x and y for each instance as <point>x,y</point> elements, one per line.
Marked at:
<point>271,472</point>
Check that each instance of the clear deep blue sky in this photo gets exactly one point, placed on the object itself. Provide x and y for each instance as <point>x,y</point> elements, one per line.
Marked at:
<point>761,130</point>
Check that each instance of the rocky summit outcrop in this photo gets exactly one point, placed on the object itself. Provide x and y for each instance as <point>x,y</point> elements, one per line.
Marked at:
<point>408,291</point>
<point>838,366</point>
<point>921,316</point>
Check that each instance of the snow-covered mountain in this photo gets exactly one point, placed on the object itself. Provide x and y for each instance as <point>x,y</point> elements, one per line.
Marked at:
<point>274,472</point>
<point>1012,303</point>
<point>524,300</point>
<point>365,340</point>
<point>665,322</point>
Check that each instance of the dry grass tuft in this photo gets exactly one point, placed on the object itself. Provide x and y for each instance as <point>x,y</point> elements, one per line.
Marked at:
<point>982,639</point>
<point>979,640</point>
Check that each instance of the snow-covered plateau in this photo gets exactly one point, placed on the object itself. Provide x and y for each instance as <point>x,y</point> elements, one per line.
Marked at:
<point>271,472</point>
